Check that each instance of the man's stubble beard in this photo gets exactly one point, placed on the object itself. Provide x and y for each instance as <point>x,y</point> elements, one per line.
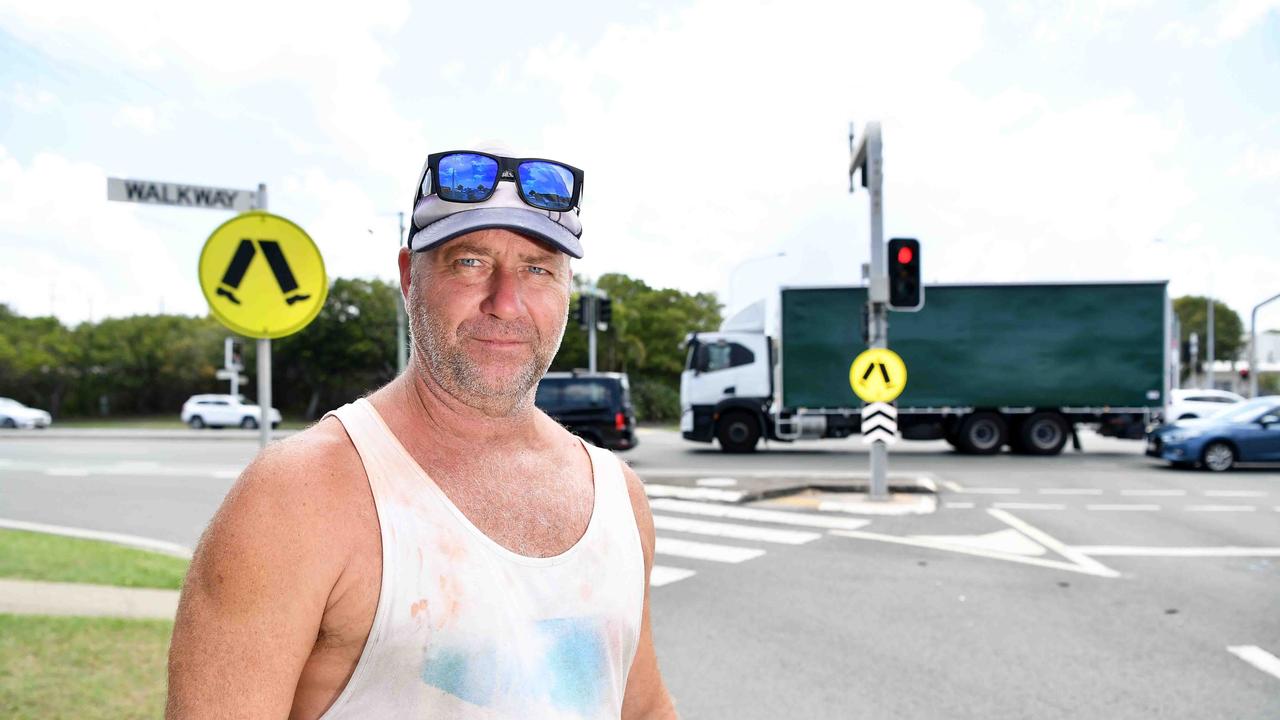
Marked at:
<point>444,361</point>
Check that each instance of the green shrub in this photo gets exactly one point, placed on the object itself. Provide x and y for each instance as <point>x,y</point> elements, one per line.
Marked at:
<point>655,400</point>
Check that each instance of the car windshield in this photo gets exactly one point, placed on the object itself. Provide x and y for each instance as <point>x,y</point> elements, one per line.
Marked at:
<point>1245,412</point>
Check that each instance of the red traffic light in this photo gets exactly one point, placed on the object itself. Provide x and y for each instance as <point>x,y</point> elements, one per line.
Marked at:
<point>905,255</point>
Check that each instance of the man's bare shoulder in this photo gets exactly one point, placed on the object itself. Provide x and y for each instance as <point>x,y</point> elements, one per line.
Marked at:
<point>300,486</point>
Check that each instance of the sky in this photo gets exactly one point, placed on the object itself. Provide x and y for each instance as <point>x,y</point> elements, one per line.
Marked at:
<point>1023,141</point>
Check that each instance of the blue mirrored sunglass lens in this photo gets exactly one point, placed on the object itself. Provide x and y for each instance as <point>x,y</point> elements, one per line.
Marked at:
<point>547,185</point>
<point>466,176</point>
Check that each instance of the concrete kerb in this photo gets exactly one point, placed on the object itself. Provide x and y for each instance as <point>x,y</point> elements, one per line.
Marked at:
<point>137,434</point>
<point>32,597</point>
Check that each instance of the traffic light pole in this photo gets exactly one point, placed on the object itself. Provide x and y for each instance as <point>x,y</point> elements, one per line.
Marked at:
<point>591,312</point>
<point>867,158</point>
<point>1253,345</point>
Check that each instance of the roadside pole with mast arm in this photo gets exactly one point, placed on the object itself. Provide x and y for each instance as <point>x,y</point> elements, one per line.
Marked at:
<point>867,157</point>
<point>1253,345</point>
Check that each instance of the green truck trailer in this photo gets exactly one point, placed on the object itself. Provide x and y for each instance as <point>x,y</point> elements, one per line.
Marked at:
<point>988,366</point>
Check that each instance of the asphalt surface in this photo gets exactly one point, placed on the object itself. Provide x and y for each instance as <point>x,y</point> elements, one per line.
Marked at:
<point>1098,584</point>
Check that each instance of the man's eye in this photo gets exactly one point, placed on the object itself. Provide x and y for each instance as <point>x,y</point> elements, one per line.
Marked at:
<point>539,271</point>
<point>469,262</point>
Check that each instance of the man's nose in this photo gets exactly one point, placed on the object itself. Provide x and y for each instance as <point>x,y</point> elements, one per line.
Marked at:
<point>504,299</point>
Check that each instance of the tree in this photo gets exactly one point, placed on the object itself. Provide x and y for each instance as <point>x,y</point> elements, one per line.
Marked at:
<point>347,351</point>
<point>645,339</point>
<point>1228,340</point>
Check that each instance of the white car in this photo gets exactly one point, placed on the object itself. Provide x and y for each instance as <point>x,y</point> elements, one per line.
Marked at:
<point>224,411</point>
<point>14,414</point>
<point>1188,403</point>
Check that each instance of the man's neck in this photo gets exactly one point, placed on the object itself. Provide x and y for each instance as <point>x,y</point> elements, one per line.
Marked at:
<point>428,411</point>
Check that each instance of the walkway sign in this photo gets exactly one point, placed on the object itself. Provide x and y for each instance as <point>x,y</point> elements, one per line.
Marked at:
<point>879,423</point>
<point>163,193</point>
<point>262,276</point>
<point>878,375</point>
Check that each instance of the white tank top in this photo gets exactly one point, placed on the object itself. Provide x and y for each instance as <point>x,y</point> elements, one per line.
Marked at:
<point>467,629</point>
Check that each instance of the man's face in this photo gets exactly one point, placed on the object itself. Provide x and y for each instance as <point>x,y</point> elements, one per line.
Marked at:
<point>488,310</point>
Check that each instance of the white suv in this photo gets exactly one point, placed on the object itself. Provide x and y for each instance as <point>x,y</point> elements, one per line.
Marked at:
<point>1187,403</point>
<point>224,411</point>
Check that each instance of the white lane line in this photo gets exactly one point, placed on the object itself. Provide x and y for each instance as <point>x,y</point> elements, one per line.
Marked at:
<point>1132,507</point>
<point>1220,508</point>
<point>1086,563</point>
<point>1234,493</point>
<point>1028,506</point>
<point>778,517</point>
<point>66,472</point>
<point>963,505</point>
<point>225,474</point>
<point>692,493</point>
<point>731,530</point>
<point>663,575</point>
<point>1093,569</point>
<point>716,482</point>
<point>952,485</point>
<point>919,505</point>
<point>1153,493</point>
<point>705,551</point>
<point>1257,657</point>
<point>991,491</point>
<point>1070,491</point>
<point>1181,552</point>
<point>159,546</point>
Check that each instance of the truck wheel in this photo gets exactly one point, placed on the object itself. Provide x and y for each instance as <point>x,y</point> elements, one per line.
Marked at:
<point>738,432</point>
<point>1218,456</point>
<point>983,433</point>
<point>1043,434</point>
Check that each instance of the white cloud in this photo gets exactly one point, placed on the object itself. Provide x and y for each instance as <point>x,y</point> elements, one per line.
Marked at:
<point>144,118</point>
<point>67,249</point>
<point>31,100</point>
<point>1257,164</point>
<point>1221,23</point>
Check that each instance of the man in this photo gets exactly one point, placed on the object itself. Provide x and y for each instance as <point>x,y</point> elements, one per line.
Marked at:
<point>441,548</point>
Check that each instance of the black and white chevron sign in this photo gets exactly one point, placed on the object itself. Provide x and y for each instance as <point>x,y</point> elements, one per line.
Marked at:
<point>879,423</point>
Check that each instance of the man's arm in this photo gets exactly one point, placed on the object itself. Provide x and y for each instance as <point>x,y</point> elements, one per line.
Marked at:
<point>646,695</point>
<point>254,597</point>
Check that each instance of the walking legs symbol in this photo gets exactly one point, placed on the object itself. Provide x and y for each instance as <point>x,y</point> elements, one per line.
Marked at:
<point>275,259</point>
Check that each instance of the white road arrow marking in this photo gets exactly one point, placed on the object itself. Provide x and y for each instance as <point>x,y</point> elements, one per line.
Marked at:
<point>1257,657</point>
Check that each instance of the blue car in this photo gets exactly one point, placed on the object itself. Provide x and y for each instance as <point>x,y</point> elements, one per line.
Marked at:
<point>1248,432</point>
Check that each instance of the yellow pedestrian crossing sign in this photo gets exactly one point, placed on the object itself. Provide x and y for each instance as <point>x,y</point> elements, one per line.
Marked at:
<point>262,275</point>
<point>878,375</point>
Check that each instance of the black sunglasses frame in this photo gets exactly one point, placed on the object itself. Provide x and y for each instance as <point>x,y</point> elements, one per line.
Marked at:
<point>506,167</point>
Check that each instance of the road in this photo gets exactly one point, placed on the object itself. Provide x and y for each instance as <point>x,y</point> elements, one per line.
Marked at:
<point>1099,584</point>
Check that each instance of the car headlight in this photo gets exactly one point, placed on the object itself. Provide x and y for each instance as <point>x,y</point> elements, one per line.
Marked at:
<point>1182,435</point>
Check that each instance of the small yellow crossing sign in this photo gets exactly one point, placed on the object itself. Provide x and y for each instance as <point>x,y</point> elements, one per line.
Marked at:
<point>262,275</point>
<point>878,375</point>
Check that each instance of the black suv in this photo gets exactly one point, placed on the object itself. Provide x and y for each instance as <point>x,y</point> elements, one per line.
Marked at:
<point>594,406</point>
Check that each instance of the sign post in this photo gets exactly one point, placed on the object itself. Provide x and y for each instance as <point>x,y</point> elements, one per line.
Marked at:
<point>264,278</point>
<point>866,157</point>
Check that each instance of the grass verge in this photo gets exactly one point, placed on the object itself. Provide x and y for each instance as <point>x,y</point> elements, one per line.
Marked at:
<point>72,667</point>
<point>53,558</point>
<point>148,422</point>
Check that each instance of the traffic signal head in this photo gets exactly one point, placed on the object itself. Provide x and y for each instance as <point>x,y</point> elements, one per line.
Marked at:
<point>606,311</point>
<point>580,311</point>
<point>905,290</point>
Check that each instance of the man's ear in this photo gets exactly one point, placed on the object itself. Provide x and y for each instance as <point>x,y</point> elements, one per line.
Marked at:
<point>405,261</point>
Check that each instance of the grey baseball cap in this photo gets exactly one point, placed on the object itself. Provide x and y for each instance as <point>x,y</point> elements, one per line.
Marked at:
<point>437,221</point>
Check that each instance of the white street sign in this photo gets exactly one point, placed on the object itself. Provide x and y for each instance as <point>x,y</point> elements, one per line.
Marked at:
<point>879,423</point>
<point>225,374</point>
<point>163,193</point>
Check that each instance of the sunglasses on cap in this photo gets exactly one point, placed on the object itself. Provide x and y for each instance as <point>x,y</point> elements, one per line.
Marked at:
<point>464,176</point>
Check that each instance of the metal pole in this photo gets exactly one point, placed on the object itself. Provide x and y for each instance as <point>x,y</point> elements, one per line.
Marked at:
<point>264,362</point>
<point>867,156</point>
<point>1253,345</point>
<point>1209,349</point>
<point>591,328</point>
<point>402,345</point>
